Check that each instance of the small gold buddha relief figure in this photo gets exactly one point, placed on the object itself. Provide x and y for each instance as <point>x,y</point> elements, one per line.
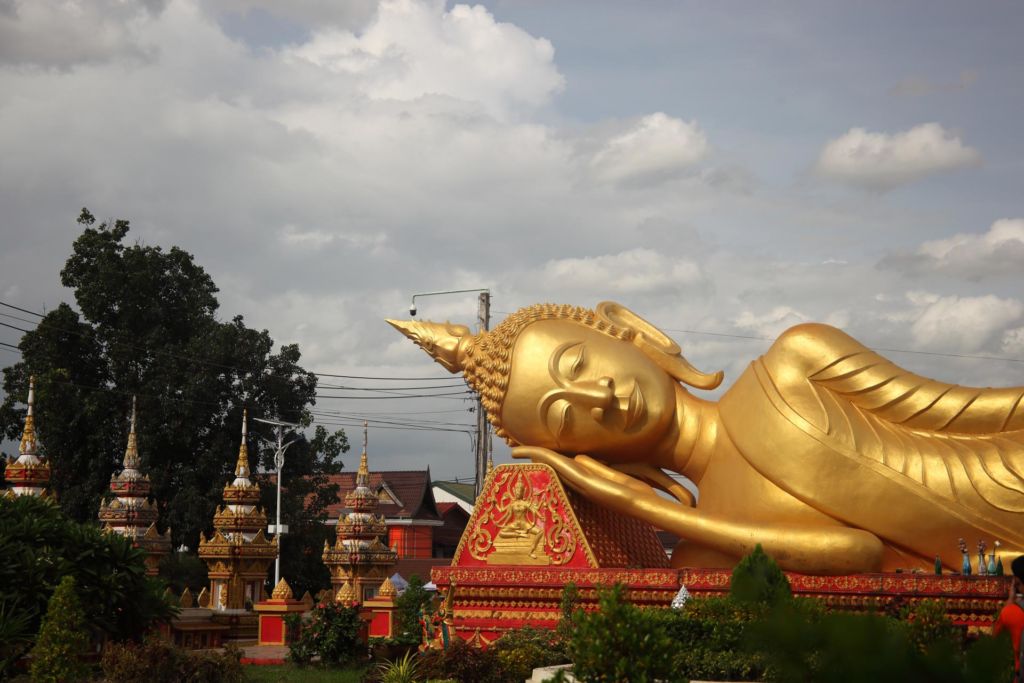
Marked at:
<point>833,458</point>
<point>520,539</point>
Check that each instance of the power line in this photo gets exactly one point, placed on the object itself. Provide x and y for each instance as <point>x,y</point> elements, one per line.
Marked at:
<point>202,361</point>
<point>23,310</point>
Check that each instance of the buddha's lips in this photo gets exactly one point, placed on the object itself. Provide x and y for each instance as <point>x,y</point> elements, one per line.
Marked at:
<point>637,409</point>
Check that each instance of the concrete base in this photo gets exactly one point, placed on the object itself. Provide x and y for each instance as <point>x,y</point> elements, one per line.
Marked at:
<point>546,673</point>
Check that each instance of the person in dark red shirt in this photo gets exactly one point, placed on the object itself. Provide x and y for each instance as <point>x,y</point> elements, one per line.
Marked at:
<point>1011,617</point>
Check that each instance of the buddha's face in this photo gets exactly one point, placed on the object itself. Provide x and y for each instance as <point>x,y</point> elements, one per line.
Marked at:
<point>574,389</point>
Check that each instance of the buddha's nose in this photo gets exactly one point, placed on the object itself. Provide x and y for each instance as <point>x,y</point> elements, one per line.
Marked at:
<point>596,394</point>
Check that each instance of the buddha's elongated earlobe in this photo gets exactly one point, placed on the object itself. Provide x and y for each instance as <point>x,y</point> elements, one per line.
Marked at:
<point>658,346</point>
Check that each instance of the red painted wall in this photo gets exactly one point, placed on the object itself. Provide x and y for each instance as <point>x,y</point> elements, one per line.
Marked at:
<point>412,541</point>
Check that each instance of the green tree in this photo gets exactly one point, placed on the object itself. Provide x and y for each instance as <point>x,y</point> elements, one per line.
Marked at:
<point>757,578</point>
<point>62,641</point>
<point>147,324</point>
<point>41,547</point>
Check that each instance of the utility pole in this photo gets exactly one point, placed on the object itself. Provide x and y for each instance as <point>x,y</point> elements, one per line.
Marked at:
<point>483,441</point>
<point>279,528</point>
<point>482,447</point>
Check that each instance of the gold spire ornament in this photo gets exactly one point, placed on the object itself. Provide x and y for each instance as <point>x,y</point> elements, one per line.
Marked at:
<point>29,475</point>
<point>830,456</point>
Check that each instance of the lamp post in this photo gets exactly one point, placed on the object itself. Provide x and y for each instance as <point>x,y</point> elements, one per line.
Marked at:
<point>277,528</point>
<point>482,452</point>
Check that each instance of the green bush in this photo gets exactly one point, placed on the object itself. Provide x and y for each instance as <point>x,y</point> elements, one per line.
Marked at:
<point>520,651</point>
<point>461,662</point>
<point>711,637</point>
<point>63,639</point>
<point>159,661</point>
<point>620,642</point>
<point>331,632</point>
<point>758,579</point>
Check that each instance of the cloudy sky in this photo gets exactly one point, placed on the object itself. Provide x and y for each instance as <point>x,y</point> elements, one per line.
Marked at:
<point>721,168</point>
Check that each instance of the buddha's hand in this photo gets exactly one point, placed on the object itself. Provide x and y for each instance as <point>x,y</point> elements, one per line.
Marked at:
<point>592,478</point>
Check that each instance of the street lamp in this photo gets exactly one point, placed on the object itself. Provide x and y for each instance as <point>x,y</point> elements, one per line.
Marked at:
<point>482,453</point>
<point>278,528</point>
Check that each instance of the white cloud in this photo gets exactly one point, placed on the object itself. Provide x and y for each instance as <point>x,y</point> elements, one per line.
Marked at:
<point>635,271</point>
<point>962,324</point>
<point>770,324</point>
<point>417,49</point>
<point>997,252</point>
<point>657,146</point>
<point>1013,342</point>
<point>879,161</point>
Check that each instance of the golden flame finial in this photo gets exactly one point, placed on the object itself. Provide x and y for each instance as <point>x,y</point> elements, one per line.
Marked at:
<point>131,453</point>
<point>445,342</point>
<point>242,467</point>
<point>282,591</point>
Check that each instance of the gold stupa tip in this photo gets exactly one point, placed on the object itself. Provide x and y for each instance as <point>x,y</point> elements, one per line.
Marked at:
<point>282,591</point>
<point>387,589</point>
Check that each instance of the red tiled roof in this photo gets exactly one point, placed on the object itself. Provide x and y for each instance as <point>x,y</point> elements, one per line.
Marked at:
<point>410,487</point>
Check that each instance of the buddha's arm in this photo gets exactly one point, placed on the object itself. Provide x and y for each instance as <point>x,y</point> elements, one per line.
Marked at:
<point>817,550</point>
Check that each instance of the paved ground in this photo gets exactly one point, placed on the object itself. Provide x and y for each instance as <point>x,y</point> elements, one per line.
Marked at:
<point>264,654</point>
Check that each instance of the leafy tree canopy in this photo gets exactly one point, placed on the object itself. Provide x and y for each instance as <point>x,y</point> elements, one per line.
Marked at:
<point>146,324</point>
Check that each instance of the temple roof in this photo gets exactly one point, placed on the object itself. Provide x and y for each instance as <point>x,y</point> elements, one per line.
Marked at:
<point>401,494</point>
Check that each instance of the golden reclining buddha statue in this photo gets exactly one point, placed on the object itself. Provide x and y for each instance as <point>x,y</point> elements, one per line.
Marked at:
<point>831,457</point>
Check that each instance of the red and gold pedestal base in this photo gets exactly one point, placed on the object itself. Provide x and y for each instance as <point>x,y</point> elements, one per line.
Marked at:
<point>529,537</point>
<point>273,612</point>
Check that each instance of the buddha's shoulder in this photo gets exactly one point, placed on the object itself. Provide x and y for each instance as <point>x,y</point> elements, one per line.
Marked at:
<point>812,347</point>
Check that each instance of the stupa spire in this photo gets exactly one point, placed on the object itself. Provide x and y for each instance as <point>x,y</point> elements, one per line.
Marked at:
<point>242,466</point>
<point>131,452</point>
<point>363,474</point>
<point>28,434</point>
<point>130,512</point>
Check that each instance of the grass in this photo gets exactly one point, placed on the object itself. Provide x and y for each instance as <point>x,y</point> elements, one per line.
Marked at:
<point>292,674</point>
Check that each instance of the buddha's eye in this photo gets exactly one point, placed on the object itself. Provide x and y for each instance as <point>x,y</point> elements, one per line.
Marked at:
<point>574,358</point>
<point>559,418</point>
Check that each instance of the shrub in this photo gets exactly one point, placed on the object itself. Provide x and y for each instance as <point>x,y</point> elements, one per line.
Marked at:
<point>620,642</point>
<point>929,625</point>
<point>758,579</point>
<point>160,661</point>
<point>712,636</point>
<point>56,657</point>
<point>462,662</point>
<point>520,651</point>
<point>332,632</point>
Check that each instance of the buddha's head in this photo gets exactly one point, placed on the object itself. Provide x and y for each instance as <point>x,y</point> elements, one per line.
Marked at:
<point>575,380</point>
